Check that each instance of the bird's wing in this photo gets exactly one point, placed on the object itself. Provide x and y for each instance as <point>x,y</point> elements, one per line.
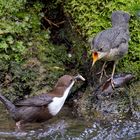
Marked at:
<point>114,36</point>
<point>109,34</point>
<point>40,100</point>
<point>122,38</point>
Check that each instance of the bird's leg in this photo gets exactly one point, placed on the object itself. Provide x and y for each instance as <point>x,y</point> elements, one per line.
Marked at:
<point>105,73</point>
<point>102,71</point>
<point>112,75</point>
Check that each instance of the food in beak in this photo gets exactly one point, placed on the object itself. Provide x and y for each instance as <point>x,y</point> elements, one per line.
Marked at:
<point>79,77</point>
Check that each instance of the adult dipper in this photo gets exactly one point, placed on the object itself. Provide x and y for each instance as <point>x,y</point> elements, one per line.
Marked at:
<point>112,44</point>
<point>41,107</point>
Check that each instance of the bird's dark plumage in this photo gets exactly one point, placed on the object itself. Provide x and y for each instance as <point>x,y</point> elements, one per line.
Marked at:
<point>40,100</point>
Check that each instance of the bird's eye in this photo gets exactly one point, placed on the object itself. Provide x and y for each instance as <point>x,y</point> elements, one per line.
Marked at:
<point>100,49</point>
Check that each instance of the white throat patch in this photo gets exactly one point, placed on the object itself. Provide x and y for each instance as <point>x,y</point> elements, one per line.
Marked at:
<point>58,102</point>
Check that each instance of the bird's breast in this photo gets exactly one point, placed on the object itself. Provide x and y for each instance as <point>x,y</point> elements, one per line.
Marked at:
<point>55,106</point>
<point>113,55</point>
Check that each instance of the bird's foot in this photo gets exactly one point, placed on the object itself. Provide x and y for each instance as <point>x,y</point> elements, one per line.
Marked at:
<point>101,74</point>
<point>112,82</point>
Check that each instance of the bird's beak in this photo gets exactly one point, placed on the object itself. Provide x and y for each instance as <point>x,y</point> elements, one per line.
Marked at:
<point>95,57</point>
<point>79,77</point>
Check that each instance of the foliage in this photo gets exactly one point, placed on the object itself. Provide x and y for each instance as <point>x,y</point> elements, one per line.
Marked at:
<point>28,61</point>
<point>16,25</point>
<point>10,7</point>
<point>92,16</point>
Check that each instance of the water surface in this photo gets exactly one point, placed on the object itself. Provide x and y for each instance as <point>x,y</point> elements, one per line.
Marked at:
<point>67,127</point>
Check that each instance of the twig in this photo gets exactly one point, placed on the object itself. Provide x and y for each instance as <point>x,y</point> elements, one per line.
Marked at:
<point>50,22</point>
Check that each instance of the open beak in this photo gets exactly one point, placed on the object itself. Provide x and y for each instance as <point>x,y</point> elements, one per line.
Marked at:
<point>95,57</point>
<point>98,55</point>
<point>79,77</point>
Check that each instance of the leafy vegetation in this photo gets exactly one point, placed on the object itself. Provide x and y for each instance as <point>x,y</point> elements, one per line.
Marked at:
<point>29,63</point>
<point>17,24</point>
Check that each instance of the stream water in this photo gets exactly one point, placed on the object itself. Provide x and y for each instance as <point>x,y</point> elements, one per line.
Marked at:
<point>67,127</point>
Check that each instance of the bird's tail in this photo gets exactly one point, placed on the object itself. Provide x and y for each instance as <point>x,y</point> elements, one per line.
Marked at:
<point>9,105</point>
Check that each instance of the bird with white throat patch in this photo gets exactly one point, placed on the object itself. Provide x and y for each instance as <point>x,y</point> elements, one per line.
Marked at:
<point>42,107</point>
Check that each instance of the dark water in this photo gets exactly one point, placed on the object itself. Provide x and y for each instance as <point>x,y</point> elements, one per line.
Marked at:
<point>66,127</point>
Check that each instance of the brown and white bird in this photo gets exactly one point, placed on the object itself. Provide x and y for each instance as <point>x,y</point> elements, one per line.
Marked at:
<point>112,44</point>
<point>41,107</point>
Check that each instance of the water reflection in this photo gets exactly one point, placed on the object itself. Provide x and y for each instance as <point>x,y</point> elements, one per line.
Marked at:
<point>67,127</point>
<point>6,123</point>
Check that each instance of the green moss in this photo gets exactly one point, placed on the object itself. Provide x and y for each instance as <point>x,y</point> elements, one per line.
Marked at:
<point>17,27</point>
<point>135,96</point>
<point>10,7</point>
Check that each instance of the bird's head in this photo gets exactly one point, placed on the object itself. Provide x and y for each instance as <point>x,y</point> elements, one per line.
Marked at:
<point>100,50</point>
<point>97,55</point>
<point>66,80</point>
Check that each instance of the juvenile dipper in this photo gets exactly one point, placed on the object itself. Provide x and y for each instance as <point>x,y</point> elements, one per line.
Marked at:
<point>41,107</point>
<point>112,44</point>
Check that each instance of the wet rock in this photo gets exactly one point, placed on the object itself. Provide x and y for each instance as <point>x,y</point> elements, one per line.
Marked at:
<point>106,103</point>
<point>106,89</point>
<point>134,96</point>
